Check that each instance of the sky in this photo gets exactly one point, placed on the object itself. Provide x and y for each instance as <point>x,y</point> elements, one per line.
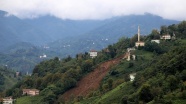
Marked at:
<point>94,9</point>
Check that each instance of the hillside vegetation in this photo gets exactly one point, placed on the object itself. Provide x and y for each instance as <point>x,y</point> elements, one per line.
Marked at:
<point>7,78</point>
<point>24,56</point>
<point>63,37</point>
<point>160,74</point>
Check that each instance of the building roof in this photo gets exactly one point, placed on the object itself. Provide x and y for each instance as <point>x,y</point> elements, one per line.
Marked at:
<point>140,42</point>
<point>30,90</point>
<point>10,97</point>
<point>93,51</point>
<point>166,35</point>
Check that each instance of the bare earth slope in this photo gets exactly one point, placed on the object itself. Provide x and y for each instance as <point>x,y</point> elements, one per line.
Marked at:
<point>92,80</point>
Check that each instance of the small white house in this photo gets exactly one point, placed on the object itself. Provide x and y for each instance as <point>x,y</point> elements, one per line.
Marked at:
<point>156,41</point>
<point>140,44</point>
<point>31,92</point>
<point>8,100</point>
<point>44,56</point>
<point>132,76</point>
<point>165,37</point>
<point>93,53</point>
<point>130,49</point>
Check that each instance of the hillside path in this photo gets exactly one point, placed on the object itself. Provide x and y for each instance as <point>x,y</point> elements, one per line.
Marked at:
<point>92,80</point>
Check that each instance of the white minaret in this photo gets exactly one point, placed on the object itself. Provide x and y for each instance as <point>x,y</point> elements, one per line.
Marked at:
<point>138,34</point>
<point>139,43</point>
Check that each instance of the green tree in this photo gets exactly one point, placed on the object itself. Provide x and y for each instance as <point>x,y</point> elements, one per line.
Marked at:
<point>87,65</point>
<point>182,29</point>
<point>171,81</point>
<point>145,93</point>
<point>155,34</point>
<point>163,30</point>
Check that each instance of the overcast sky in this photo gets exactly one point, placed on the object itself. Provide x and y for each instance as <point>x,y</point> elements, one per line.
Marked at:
<point>94,9</point>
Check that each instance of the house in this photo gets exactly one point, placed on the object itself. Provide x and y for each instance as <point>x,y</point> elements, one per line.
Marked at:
<point>93,53</point>
<point>156,41</point>
<point>165,37</point>
<point>31,92</point>
<point>8,100</point>
<point>130,49</point>
<point>132,76</point>
<point>139,43</point>
<point>128,57</point>
<point>44,56</point>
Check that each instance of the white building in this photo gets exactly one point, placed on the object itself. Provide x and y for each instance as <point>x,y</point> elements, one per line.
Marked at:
<point>128,57</point>
<point>31,92</point>
<point>139,43</point>
<point>165,37</point>
<point>8,100</point>
<point>132,76</point>
<point>156,41</point>
<point>93,53</point>
<point>134,57</point>
<point>130,49</point>
<point>44,56</point>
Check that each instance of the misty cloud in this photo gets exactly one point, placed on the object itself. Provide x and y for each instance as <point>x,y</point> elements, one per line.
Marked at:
<point>94,9</point>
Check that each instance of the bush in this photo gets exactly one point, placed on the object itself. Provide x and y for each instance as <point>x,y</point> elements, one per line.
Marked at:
<point>113,72</point>
<point>145,93</point>
<point>131,64</point>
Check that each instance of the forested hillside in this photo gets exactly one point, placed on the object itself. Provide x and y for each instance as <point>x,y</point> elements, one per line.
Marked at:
<point>22,41</point>
<point>7,78</point>
<point>24,56</point>
<point>160,71</point>
<point>109,33</point>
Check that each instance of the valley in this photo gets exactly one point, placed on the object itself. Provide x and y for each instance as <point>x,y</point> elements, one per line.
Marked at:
<point>158,70</point>
<point>60,68</point>
<point>64,37</point>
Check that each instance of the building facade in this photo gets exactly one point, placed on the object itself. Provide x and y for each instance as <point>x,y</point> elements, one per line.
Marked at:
<point>8,100</point>
<point>31,92</point>
<point>165,37</point>
<point>93,53</point>
<point>156,41</point>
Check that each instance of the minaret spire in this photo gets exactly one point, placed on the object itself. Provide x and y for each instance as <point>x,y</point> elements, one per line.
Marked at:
<point>138,33</point>
<point>139,43</point>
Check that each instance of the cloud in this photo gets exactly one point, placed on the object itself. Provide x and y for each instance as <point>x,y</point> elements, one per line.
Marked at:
<point>94,9</point>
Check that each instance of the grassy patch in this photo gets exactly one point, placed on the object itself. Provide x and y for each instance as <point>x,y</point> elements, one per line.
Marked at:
<point>179,101</point>
<point>113,96</point>
<point>29,100</point>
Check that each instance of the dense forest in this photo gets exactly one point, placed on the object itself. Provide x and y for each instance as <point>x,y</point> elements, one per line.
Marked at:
<point>160,73</point>
<point>8,78</point>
